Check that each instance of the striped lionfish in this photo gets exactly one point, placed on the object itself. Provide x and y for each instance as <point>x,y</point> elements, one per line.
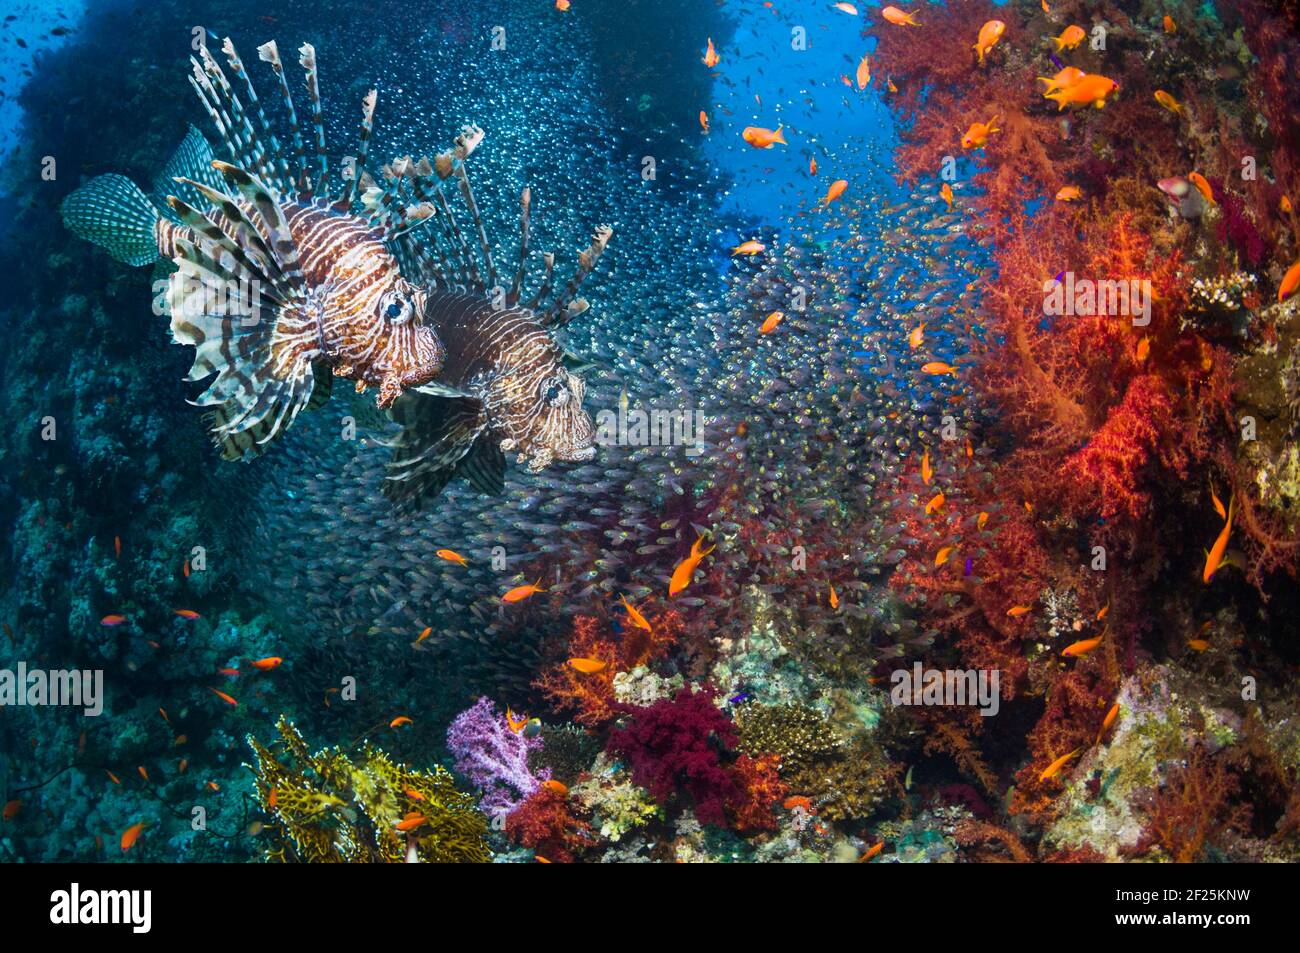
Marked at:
<point>372,280</point>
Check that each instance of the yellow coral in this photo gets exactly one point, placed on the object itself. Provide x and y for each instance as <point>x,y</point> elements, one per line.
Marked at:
<point>324,808</point>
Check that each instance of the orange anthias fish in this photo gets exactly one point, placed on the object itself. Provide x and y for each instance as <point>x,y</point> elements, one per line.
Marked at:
<point>131,835</point>
<point>898,17</point>
<point>833,598</point>
<point>1143,350</point>
<point>1284,203</point>
<point>750,247</point>
<point>711,56</point>
<point>424,634</point>
<point>1066,78</point>
<point>871,852</point>
<point>981,520</point>
<point>1214,558</point>
<point>1169,24</point>
<point>520,593</point>
<point>1108,721</point>
<point>1055,767</point>
<point>451,556</point>
<point>268,663</point>
<point>704,120</point>
<point>1290,282</point>
<point>864,72</point>
<point>1082,647</point>
<point>399,721</point>
<point>515,724</point>
<point>1164,99</point>
<point>562,5</point>
<point>411,821</point>
<point>915,339</point>
<point>935,504</point>
<point>938,368</point>
<point>1068,193</point>
<point>224,697</point>
<point>989,35</point>
<point>117,547</point>
<point>558,787</point>
<point>112,620</point>
<point>636,618</point>
<point>1091,90</point>
<point>588,666</point>
<point>1198,645</point>
<point>945,193</point>
<point>186,614</point>
<point>12,808</point>
<point>835,191</point>
<point>812,166</point>
<point>977,136</point>
<point>848,8</point>
<point>926,472</point>
<point>772,320</point>
<point>1017,611</point>
<point>1070,37</point>
<point>943,555</point>
<point>1202,186</point>
<point>761,138</point>
<point>685,570</point>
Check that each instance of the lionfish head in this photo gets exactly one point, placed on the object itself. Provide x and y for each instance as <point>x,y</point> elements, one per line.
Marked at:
<point>407,352</point>
<point>546,421</point>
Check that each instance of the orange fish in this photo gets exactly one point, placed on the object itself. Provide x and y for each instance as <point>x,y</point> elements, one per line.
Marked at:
<point>1290,282</point>
<point>1046,8</point>
<point>1091,90</point>
<point>1143,349</point>
<point>1070,37</point>
<point>835,191</point>
<point>411,821</point>
<point>424,634</point>
<point>770,323</point>
<point>1284,204</point>
<point>231,672</point>
<point>863,74</point>
<point>520,593</point>
<point>11,809</point>
<point>515,724</point>
<point>977,136</point>
<point>113,777</point>
<point>112,620</point>
<point>117,547</point>
<point>185,569</point>
<point>224,697</point>
<point>704,120</point>
<point>143,773</point>
<point>1168,102</point>
<point>1068,193</point>
<point>889,85</point>
<point>1054,768</point>
<point>1082,647</point>
<point>588,666</point>
<point>685,570</point>
<point>812,166</point>
<point>636,618</point>
<point>268,663</point>
<point>989,35</point>
<point>898,17</point>
<point>1017,611</point>
<point>761,138</point>
<point>273,798</point>
<point>1214,558</point>
<point>915,339</point>
<point>1198,645</point>
<point>1108,721</point>
<point>926,472</point>
<point>556,786</point>
<point>213,786</point>
<point>848,8</point>
<point>1066,78</point>
<point>943,555</point>
<point>451,556</point>
<point>937,368</point>
<point>935,504</point>
<point>871,852</point>
<point>1202,186</point>
<point>186,614</point>
<point>1101,613</point>
<point>833,598</point>
<point>945,193</point>
<point>413,794</point>
<point>750,247</point>
<point>399,721</point>
<point>711,56</point>
<point>981,520</point>
<point>131,835</point>
<point>1169,24</point>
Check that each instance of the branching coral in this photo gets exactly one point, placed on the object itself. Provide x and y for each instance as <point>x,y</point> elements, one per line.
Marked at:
<point>1194,808</point>
<point>544,823</point>
<point>327,808</point>
<point>794,733</point>
<point>494,757</point>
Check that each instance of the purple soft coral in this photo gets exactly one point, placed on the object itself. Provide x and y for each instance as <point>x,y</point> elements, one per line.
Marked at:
<point>493,757</point>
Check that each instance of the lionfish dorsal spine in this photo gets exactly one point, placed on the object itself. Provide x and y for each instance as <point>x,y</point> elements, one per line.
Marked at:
<point>548,279</point>
<point>249,152</point>
<point>516,286</point>
<point>275,169</point>
<point>268,52</point>
<point>562,310</point>
<point>363,150</point>
<point>307,60</point>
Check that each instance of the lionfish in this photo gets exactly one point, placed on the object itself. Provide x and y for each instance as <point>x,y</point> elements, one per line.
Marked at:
<point>290,275</point>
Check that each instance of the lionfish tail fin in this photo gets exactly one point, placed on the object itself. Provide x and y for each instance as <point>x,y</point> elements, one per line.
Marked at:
<point>238,299</point>
<point>112,212</point>
<point>192,160</point>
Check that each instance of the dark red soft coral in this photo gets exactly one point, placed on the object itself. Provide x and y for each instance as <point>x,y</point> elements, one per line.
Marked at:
<point>544,823</point>
<point>677,744</point>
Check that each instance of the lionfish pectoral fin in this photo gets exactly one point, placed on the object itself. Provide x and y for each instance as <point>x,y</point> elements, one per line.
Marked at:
<point>435,389</point>
<point>437,434</point>
<point>577,364</point>
<point>484,467</point>
<point>323,385</point>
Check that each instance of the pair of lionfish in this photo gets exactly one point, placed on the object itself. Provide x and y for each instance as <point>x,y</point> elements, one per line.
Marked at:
<point>284,281</point>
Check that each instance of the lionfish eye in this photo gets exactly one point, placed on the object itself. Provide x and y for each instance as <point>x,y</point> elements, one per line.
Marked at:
<point>552,393</point>
<point>394,310</point>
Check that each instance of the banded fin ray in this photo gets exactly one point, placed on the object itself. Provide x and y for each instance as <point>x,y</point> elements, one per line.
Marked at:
<point>436,435</point>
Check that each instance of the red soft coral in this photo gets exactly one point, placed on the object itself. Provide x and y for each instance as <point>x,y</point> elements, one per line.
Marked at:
<point>761,789</point>
<point>545,824</point>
